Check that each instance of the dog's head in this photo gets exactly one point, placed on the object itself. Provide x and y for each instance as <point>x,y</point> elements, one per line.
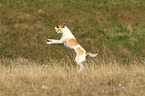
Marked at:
<point>60,28</point>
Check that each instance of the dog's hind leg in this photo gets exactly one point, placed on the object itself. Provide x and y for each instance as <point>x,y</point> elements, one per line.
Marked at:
<point>79,60</point>
<point>81,67</point>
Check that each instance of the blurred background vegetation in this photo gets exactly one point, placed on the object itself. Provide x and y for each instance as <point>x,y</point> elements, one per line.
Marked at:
<point>115,29</point>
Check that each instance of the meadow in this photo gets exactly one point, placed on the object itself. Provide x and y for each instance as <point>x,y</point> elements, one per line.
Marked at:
<point>115,29</point>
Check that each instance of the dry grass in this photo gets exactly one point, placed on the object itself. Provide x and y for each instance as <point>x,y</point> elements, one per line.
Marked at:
<point>26,78</point>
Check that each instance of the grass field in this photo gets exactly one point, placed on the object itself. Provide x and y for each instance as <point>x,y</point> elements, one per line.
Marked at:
<point>115,29</point>
<point>22,77</point>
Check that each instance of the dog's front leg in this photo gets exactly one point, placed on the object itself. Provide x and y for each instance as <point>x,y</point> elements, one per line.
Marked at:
<point>53,41</point>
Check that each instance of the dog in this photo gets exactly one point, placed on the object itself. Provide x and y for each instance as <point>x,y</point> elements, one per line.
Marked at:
<point>69,41</point>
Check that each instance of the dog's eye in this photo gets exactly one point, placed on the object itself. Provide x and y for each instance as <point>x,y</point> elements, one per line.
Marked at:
<point>57,27</point>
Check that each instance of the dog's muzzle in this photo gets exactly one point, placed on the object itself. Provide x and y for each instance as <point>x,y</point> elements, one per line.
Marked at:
<point>57,30</point>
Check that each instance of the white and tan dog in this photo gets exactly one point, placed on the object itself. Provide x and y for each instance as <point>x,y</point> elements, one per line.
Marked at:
<point>69,40</point>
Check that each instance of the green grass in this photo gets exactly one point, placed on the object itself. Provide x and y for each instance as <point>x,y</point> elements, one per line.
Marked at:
<point>115,29</point>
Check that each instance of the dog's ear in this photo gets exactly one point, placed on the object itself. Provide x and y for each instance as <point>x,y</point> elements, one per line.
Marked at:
<point>63,25</point>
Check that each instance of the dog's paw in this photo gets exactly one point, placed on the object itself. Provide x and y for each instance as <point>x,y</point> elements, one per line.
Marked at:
<point>48,39</point>
<point>48,42</point>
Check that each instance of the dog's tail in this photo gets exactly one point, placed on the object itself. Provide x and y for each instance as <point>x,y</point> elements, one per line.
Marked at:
<point>91,55</point>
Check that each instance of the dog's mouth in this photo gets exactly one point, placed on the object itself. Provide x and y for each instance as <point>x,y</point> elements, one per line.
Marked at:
<point>57,30</point>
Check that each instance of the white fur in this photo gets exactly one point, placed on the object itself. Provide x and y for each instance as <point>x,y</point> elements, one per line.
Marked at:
<point>66,33</point>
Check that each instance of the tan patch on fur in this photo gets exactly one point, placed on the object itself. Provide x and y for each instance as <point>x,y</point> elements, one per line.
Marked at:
<point>80,51</point>
<point>71,42</point>
<point>86,53</point>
